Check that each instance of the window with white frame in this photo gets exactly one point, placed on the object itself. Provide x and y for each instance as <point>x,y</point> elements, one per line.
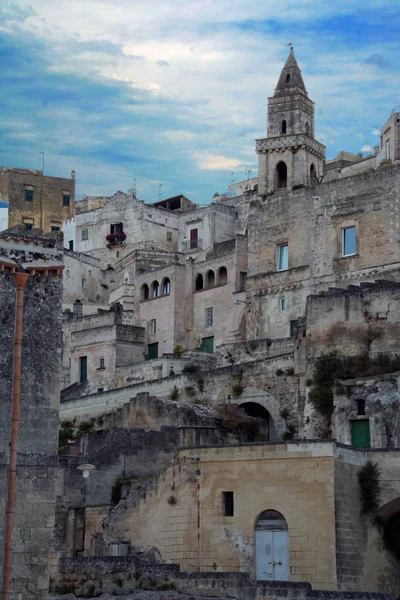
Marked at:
<point>153,326</point>
<point>209,317</point>
<point>283,257</point>
<point>85,234</point>
<point>102,363</point>
<point>349,241</point>
<point>83,283</point>
<point>282,304</point>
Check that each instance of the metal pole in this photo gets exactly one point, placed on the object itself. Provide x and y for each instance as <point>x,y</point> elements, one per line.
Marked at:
<point>21,279</point>
<point>198,527</point>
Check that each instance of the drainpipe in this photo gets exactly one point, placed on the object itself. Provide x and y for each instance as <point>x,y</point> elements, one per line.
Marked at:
<point>21,279</point>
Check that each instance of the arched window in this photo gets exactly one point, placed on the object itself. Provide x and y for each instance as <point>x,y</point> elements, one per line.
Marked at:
<point>222,276</point>
<point>144,292</point>
<point>199,282</point>
<point>288,78</point>
<point>155,289</point>
<point>313,175</point>
<point>166,286</point>
<point>281,175</point>
<point>210,279</point>
<point>271,520</point>
<point>283,126</point>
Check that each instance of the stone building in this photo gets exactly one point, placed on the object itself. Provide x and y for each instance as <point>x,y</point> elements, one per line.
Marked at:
<point>38,261</point>
<point>35,200</point>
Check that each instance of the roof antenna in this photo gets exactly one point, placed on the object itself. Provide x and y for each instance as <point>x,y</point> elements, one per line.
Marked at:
<point>290,44</point>
<point>42,153</point>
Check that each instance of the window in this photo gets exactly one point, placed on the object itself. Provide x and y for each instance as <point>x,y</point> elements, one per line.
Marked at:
<point>283,126</point>
<point>71,244</point>
<point>387,151</point>
<point>85,234</point>
<point>55,228</point>
<point>66,200</point>
<point>282,304</point>
<point>82,369</point>
<point>169,236</point>
<point>28,226</point>
<point>348,241</point>
<point>210,279</point>
<point>117,228</point>
<point>155,289</point>
<point>153,326</point>
<point>222,276</point>
<point>283,257</point>
<point>242,280</point>
<point>227,504</point>
<point>100,390</point>
<point>194,237</point>
<point>281,175</point>
<point>117,254</point>
<point>361,407</point>
<point>288,78</point>
<point>29,195</point>
<point>102,363</point>
<point>293,328</point>
<point>83,283</point>
<point>166,286</point>
<point>144,292</point>
<point>199,282</point>
<point>67,274</point>
<point>209,317</point>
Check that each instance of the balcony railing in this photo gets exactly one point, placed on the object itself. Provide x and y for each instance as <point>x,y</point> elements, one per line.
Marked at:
<point>195,244</point>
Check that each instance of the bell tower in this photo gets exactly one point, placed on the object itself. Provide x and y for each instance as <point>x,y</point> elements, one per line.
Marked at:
<point>289,155</point>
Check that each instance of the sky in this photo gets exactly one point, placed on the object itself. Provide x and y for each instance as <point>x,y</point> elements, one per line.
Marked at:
<point>174,92</point>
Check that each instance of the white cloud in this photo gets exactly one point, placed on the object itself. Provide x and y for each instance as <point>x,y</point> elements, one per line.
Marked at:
<point>216,162</point>
<point>376,131</point>
<point>367,148</point>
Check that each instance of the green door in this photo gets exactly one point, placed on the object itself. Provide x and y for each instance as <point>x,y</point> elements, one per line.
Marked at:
<point>360,437</point>
<point>152,351</point>
<point>208,344</point>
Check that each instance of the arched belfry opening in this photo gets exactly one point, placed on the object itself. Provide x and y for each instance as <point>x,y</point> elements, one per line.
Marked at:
<point>283,126</point>
<point>272,547</point>
<point>281,175</point>
<point>313,175</point>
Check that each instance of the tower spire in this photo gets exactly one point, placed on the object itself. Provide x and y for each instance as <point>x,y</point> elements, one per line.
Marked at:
<point>290,76</point>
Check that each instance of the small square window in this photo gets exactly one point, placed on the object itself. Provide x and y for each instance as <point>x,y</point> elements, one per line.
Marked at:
<point>55,228</point>
<point>153,326</point>
<point>282,304</point>
<point>85,234</point>
<point>100,390</point>
<point>66,200</point>
<point>28,226</point>
<point>29,195</point>
<point>349,241</point>
<point>102,363</point>
<point>227,504</point>
<point>169,236</point>
<point>283,257</point>
<point>209,317</point>
<point>83,283</point>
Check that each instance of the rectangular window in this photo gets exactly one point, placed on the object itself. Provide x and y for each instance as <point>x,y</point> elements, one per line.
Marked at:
<point>82,369</point>
<point>283,258</point>
<point>169,236</point>
<point>153,326</point>
<point>83,283</point>
<point>85,234</point>
<point>28,226</point>
<point>28,195</point>
<point>194,236</point>
<point>71,244</point>
<point>242,281</point>
<point>117,228</point>
<point>102,363</point>
<point>282,304</point>
<point>227,504</point>
<point>100,390</point>
<point>66,199</point>
<point>209,317</point>
<point>349,241</point>
<point>117,254</point>
<point>55,228</point>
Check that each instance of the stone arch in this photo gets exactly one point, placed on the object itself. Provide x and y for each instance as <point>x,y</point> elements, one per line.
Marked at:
<point>281,175</point>
<point>166,286</point>
<point>144,292</point>
<point>222,276</point>
<point>253,409</point>
<point>199,284</point>
<point>155,289</point>
<point>270,403</point>
<point>210,278</point>
<point>313,174</point>
<point>283,126</point>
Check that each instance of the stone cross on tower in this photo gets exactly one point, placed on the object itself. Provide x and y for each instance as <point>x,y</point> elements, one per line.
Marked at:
<point>289,155</point>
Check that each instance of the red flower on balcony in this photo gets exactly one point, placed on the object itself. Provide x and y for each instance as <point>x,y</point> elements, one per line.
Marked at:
<point>116,238</point>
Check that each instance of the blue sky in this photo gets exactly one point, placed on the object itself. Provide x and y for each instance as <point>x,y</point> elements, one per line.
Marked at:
<point>175,92</point>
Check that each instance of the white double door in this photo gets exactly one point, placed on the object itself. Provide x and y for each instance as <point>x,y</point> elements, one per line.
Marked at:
<point>272,555</point>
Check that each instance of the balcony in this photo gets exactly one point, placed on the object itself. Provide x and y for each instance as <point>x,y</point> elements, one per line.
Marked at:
<point>187,245</point>
<point>115,238</point>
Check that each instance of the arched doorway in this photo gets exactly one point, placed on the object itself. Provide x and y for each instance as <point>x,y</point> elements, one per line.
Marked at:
<point>272,547</point>
<point>281,175</point>
<point>253,409</point>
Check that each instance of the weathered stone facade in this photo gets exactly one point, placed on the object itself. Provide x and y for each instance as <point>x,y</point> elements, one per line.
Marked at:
<point>37,462</point>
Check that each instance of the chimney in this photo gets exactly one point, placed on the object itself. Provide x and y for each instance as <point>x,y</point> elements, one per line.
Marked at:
<point>78,308</point>
<point>73,174</point>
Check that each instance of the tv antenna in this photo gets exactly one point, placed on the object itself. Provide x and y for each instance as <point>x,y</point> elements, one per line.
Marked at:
<point>42,153</point>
